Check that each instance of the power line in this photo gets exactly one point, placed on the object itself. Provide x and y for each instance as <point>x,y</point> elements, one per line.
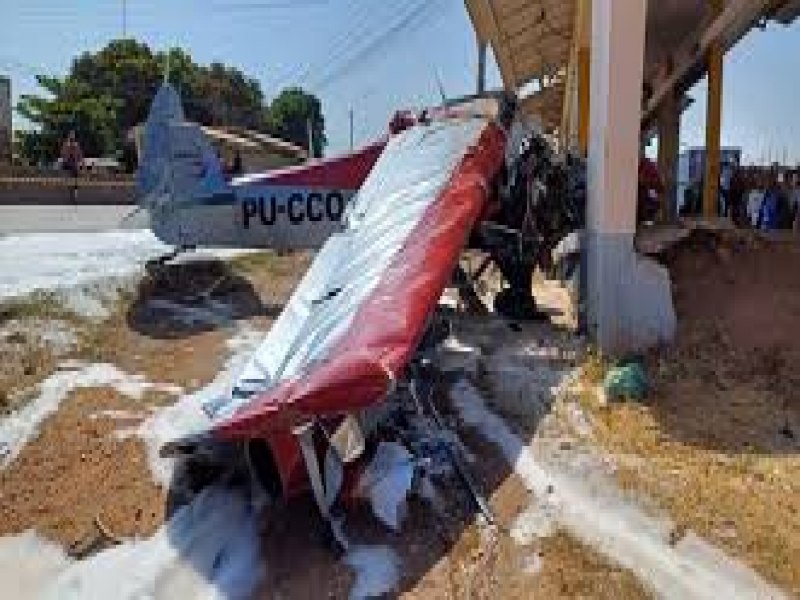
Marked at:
<point>411,19</point>
<point>341,48</point>
<point>358,22</point>
<point>277,4</point>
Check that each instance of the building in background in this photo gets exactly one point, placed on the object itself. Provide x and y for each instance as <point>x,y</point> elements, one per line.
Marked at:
<point>257,151</point>
<point>5,120</point>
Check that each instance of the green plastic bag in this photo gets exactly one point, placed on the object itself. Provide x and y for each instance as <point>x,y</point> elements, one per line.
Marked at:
<point>627,381</point>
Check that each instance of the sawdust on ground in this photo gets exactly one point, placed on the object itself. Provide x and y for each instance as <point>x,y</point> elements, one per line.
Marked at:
<point>76,472</point>
<point>717,443</point>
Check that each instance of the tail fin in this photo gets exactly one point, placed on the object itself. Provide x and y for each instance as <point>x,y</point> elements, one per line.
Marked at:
<point>177,162</point>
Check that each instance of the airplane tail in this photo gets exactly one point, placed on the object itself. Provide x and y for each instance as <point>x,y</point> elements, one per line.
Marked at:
<point>177,165</point>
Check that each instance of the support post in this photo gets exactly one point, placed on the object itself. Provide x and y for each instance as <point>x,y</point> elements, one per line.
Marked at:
<point>350,115</point>
<point>310,133</point>
<point>669,128</point>
<point>481,67</point>
<point>629,301</point>
<point>584,76</point>
<point>713,123</point>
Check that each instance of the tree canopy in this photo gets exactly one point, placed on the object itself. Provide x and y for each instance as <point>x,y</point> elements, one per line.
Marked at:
<point>107,92</point>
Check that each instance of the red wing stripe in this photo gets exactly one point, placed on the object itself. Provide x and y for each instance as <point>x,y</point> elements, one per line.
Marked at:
<point>389,323</point>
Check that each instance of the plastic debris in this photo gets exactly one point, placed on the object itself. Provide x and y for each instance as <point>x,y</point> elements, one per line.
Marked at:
<point>627,381</point>
<point>377,570</point>
<point>387,481</point>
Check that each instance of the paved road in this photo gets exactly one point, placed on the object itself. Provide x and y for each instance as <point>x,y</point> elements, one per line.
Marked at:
<point>65,218</point>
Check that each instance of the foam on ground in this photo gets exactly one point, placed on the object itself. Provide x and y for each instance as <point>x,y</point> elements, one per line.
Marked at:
<point>18,428</point>
<point>187,416</point>
<point>377,570</point>
<point>208,549</point>
<point>594,511</point>
<point>58,260</point>
<point>85,271</point>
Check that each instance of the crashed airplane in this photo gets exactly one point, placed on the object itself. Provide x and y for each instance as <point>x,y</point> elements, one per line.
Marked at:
<point>347,364</point>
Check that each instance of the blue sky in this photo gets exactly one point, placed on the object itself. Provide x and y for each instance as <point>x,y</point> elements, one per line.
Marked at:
<point>371,55</point>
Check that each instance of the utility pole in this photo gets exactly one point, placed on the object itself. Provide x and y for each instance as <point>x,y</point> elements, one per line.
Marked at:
<point>351,128</point>
<point>124,19</point>
<point>310,127</point>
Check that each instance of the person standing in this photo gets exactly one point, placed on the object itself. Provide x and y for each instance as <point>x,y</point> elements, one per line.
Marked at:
<point>725,180</point>
<point>71,160</point>
<point>649,190</point>
<point>794,200</point>
<point>769,215</point>
<point>755,198</point>
<point>736,198</point>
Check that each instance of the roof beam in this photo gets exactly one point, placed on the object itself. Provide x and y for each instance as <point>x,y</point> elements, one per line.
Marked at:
<point>729,26</point>
<point>484,20</point>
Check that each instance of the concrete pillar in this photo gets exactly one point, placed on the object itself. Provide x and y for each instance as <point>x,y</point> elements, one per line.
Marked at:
<point>669,131</point>
<point>629,301</point>
<point>713,124</point>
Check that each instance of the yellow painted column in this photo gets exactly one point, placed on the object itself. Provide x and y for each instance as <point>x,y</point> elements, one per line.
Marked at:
<point>713,124</point>
<point>584,76</point>
<point>669,124</point>
<point>584,98</point>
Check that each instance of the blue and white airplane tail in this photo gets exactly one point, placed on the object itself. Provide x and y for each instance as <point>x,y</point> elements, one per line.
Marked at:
<point>178,165</point>
<point>191,204</point>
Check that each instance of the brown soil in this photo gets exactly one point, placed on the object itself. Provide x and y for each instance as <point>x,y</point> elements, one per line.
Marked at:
<point>747,286</point>
<point>76,471</point>
<point>717,443</point>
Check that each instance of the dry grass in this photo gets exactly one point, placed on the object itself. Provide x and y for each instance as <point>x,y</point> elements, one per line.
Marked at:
<point>26,359</point>
<point>718,462</point>
<point>717,443</point>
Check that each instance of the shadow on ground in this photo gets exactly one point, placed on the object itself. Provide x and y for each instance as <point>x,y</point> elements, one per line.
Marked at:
<point>192,296</point>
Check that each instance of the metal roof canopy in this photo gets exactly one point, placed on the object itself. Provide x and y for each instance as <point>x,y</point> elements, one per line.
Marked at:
<point>531,40</point>
<point>534,40</point>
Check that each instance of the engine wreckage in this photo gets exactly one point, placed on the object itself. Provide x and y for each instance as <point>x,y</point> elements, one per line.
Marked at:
<point>343,385</point>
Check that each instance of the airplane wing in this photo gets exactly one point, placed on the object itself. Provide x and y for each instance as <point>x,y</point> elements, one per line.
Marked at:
<point>356,318</point>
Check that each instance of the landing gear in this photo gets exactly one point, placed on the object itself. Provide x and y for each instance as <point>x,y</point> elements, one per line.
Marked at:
<point>516,256</point>
<point>154,265</point>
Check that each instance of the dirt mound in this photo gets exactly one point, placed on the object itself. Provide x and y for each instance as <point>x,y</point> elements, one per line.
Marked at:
<point>737,297</point>
<point>744,285</point>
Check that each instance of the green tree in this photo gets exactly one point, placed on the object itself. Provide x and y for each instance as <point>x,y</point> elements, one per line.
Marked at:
<point>94,117</point>
<point>107,92</point>
<point>288,116</point>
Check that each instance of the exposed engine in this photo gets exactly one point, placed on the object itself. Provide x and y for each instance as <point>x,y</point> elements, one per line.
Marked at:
<point>541,199</point>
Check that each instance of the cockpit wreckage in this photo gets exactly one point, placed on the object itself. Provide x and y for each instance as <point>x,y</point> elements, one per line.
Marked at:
<point>345,378</point>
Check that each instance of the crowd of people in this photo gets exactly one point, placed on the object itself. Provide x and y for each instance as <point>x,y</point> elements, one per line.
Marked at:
<point>753,197</point>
